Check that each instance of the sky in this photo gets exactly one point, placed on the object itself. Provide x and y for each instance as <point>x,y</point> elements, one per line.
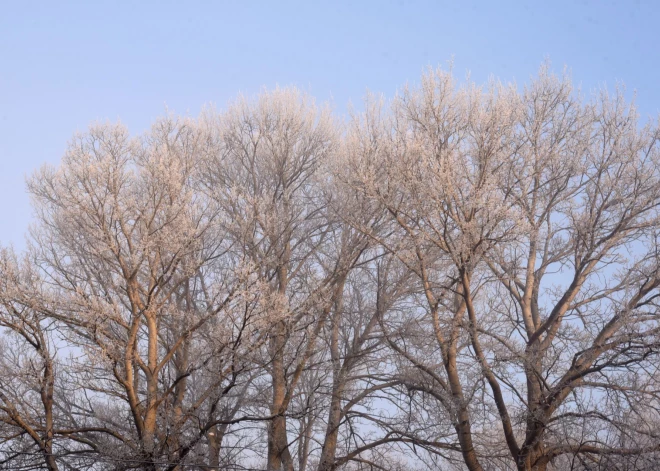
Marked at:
<point>64,65</point>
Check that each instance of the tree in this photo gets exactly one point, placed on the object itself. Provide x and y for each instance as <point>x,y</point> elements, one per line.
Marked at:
<point>492,192</point>
<point>138,263</point>
<point>27,356</point>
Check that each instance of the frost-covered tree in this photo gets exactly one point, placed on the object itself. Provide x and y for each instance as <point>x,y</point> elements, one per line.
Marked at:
<point>531,221</point>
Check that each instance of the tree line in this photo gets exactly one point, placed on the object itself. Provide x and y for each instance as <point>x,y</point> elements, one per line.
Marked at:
<point>462,277</point>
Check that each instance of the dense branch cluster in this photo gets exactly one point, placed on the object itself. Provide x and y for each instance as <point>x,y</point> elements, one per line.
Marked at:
<point>463,278</point>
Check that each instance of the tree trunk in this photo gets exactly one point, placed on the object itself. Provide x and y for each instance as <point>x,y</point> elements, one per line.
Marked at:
<point>462,425</point>
<point>279,456</point>
<point>151,413</point>
<point>327,461</point>
<point>215,437</point>
<point>329,450</point>
<point>533,446</point>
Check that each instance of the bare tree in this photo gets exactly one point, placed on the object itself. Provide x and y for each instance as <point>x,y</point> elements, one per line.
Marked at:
<point>475,180</point>
<point>264,174</point>
<point>28,366</point>
<point>130,248</point>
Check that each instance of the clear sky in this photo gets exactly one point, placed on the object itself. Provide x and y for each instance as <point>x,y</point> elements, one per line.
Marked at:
<point>66,64</point>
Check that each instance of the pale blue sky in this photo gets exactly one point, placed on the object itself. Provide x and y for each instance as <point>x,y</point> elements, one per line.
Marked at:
<point>66,64</point>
